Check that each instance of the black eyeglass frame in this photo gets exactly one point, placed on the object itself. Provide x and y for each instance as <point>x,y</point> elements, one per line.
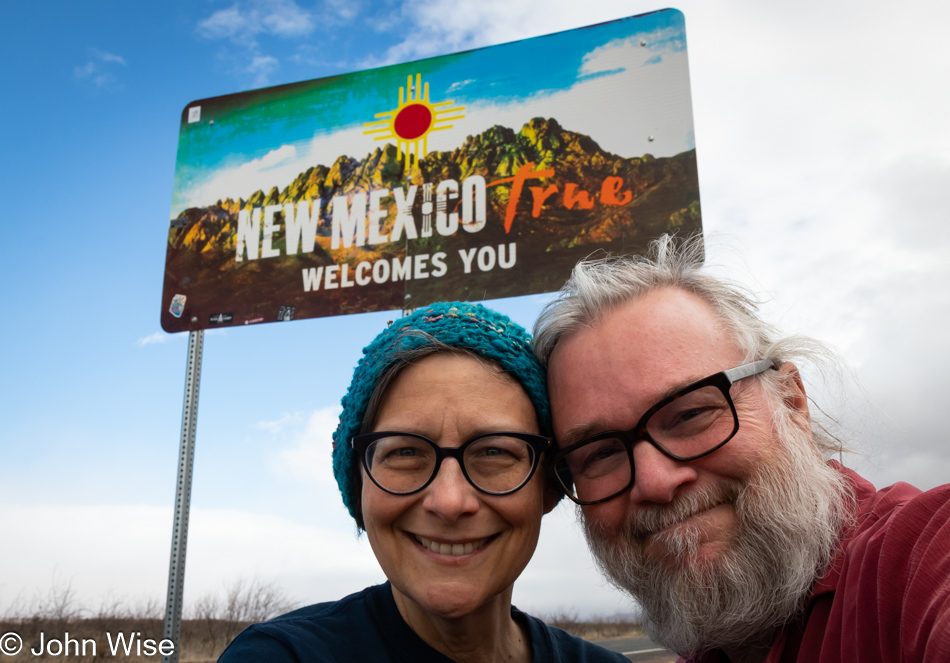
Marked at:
<point>538,443</point>
<point>722,380</point>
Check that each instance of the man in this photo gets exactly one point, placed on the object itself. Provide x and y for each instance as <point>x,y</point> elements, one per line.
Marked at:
<point>707,492</point>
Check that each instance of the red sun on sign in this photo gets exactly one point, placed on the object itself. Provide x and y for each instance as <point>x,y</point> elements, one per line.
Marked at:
<point>413,120</point>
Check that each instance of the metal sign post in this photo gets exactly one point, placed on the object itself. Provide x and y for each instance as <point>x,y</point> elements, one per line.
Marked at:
<point>186,460</point>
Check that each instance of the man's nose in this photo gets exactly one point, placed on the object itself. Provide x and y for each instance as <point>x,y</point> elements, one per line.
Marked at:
<point>450,495</point>
<point>657,478</point>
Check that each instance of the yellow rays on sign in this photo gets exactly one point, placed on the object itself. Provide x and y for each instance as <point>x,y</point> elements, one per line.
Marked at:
<point>413,120</point>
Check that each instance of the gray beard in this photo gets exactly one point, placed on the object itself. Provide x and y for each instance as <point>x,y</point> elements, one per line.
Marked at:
<point>790,516</point>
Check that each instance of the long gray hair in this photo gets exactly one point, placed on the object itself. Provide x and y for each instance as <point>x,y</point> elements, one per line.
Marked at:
<point>599,285</point>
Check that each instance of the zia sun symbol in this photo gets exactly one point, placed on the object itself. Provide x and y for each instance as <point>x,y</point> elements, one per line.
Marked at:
<point>413,120</point>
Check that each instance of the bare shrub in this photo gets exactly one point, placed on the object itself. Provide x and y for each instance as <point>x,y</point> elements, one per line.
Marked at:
<point>147,608</point>
<point>211,622</point>
<point>255,601</point>
<point>595,628</point>
<point>210,625</point>
<point>59,604</point>
<point>214,622</point>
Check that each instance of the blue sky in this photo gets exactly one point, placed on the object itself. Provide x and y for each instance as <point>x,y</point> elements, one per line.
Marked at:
<point>823,150</point>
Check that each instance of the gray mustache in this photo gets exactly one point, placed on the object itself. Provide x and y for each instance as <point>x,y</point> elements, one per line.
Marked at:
<point>650,519</point>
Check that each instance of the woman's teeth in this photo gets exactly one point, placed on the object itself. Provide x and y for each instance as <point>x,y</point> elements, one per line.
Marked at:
<point>451,548</point>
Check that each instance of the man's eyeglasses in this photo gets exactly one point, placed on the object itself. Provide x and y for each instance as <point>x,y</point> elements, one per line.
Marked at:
<point>494,463</point>
<point>692,423</point>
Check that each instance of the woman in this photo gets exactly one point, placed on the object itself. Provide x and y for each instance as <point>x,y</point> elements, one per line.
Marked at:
<point>436,455</point>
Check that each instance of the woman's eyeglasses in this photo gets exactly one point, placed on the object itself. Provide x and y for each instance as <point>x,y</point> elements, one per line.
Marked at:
<point>405,463</point>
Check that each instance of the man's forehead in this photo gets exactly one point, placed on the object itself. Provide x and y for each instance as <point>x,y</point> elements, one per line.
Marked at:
<point>661,325</point>
<point>636,354</point>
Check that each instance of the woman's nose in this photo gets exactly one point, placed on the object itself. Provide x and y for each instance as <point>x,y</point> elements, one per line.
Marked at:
<point>450,495</point>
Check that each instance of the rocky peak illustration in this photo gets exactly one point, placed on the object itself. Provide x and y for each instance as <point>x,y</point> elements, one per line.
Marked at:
<point>664,191</point>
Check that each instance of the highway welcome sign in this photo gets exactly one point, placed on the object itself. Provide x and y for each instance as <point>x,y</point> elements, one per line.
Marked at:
<point>477,175</point>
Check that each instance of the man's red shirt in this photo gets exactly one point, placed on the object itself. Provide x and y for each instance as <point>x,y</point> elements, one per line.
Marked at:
<point>886,597</point>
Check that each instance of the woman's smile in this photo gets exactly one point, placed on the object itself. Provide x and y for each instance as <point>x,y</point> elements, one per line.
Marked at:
<point>456,549</point>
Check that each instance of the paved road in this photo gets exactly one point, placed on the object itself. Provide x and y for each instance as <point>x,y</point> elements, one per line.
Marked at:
<point>642,650</point>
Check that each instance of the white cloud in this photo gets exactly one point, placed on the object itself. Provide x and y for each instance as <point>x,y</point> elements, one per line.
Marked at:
<point>287,19</point>
<point>451,26</point>
<point>261,67</point>
<point>279,167</point>
<point>280,424</point>
<point>458,85</point>
<point>276,168</point>
<point>223,23</point>
<point>91,73</point>
<point>928,468</point>
<point>309,458</point>
<point>85,70</point>
<point>121,551</point>
<point>624,125</point>
<point>337,11</point>
<point>325,148</point>
<point>637,51</point>
<point>244,20</point>
<point>158,337</point>
<point>108,57</point>
<point>274,158</point>
<point>99,74</point>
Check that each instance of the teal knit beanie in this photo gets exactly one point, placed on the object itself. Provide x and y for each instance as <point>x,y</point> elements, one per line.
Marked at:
<point>465,325</point>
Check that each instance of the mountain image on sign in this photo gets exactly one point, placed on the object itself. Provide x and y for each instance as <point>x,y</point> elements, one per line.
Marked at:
<point>505,213</point>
